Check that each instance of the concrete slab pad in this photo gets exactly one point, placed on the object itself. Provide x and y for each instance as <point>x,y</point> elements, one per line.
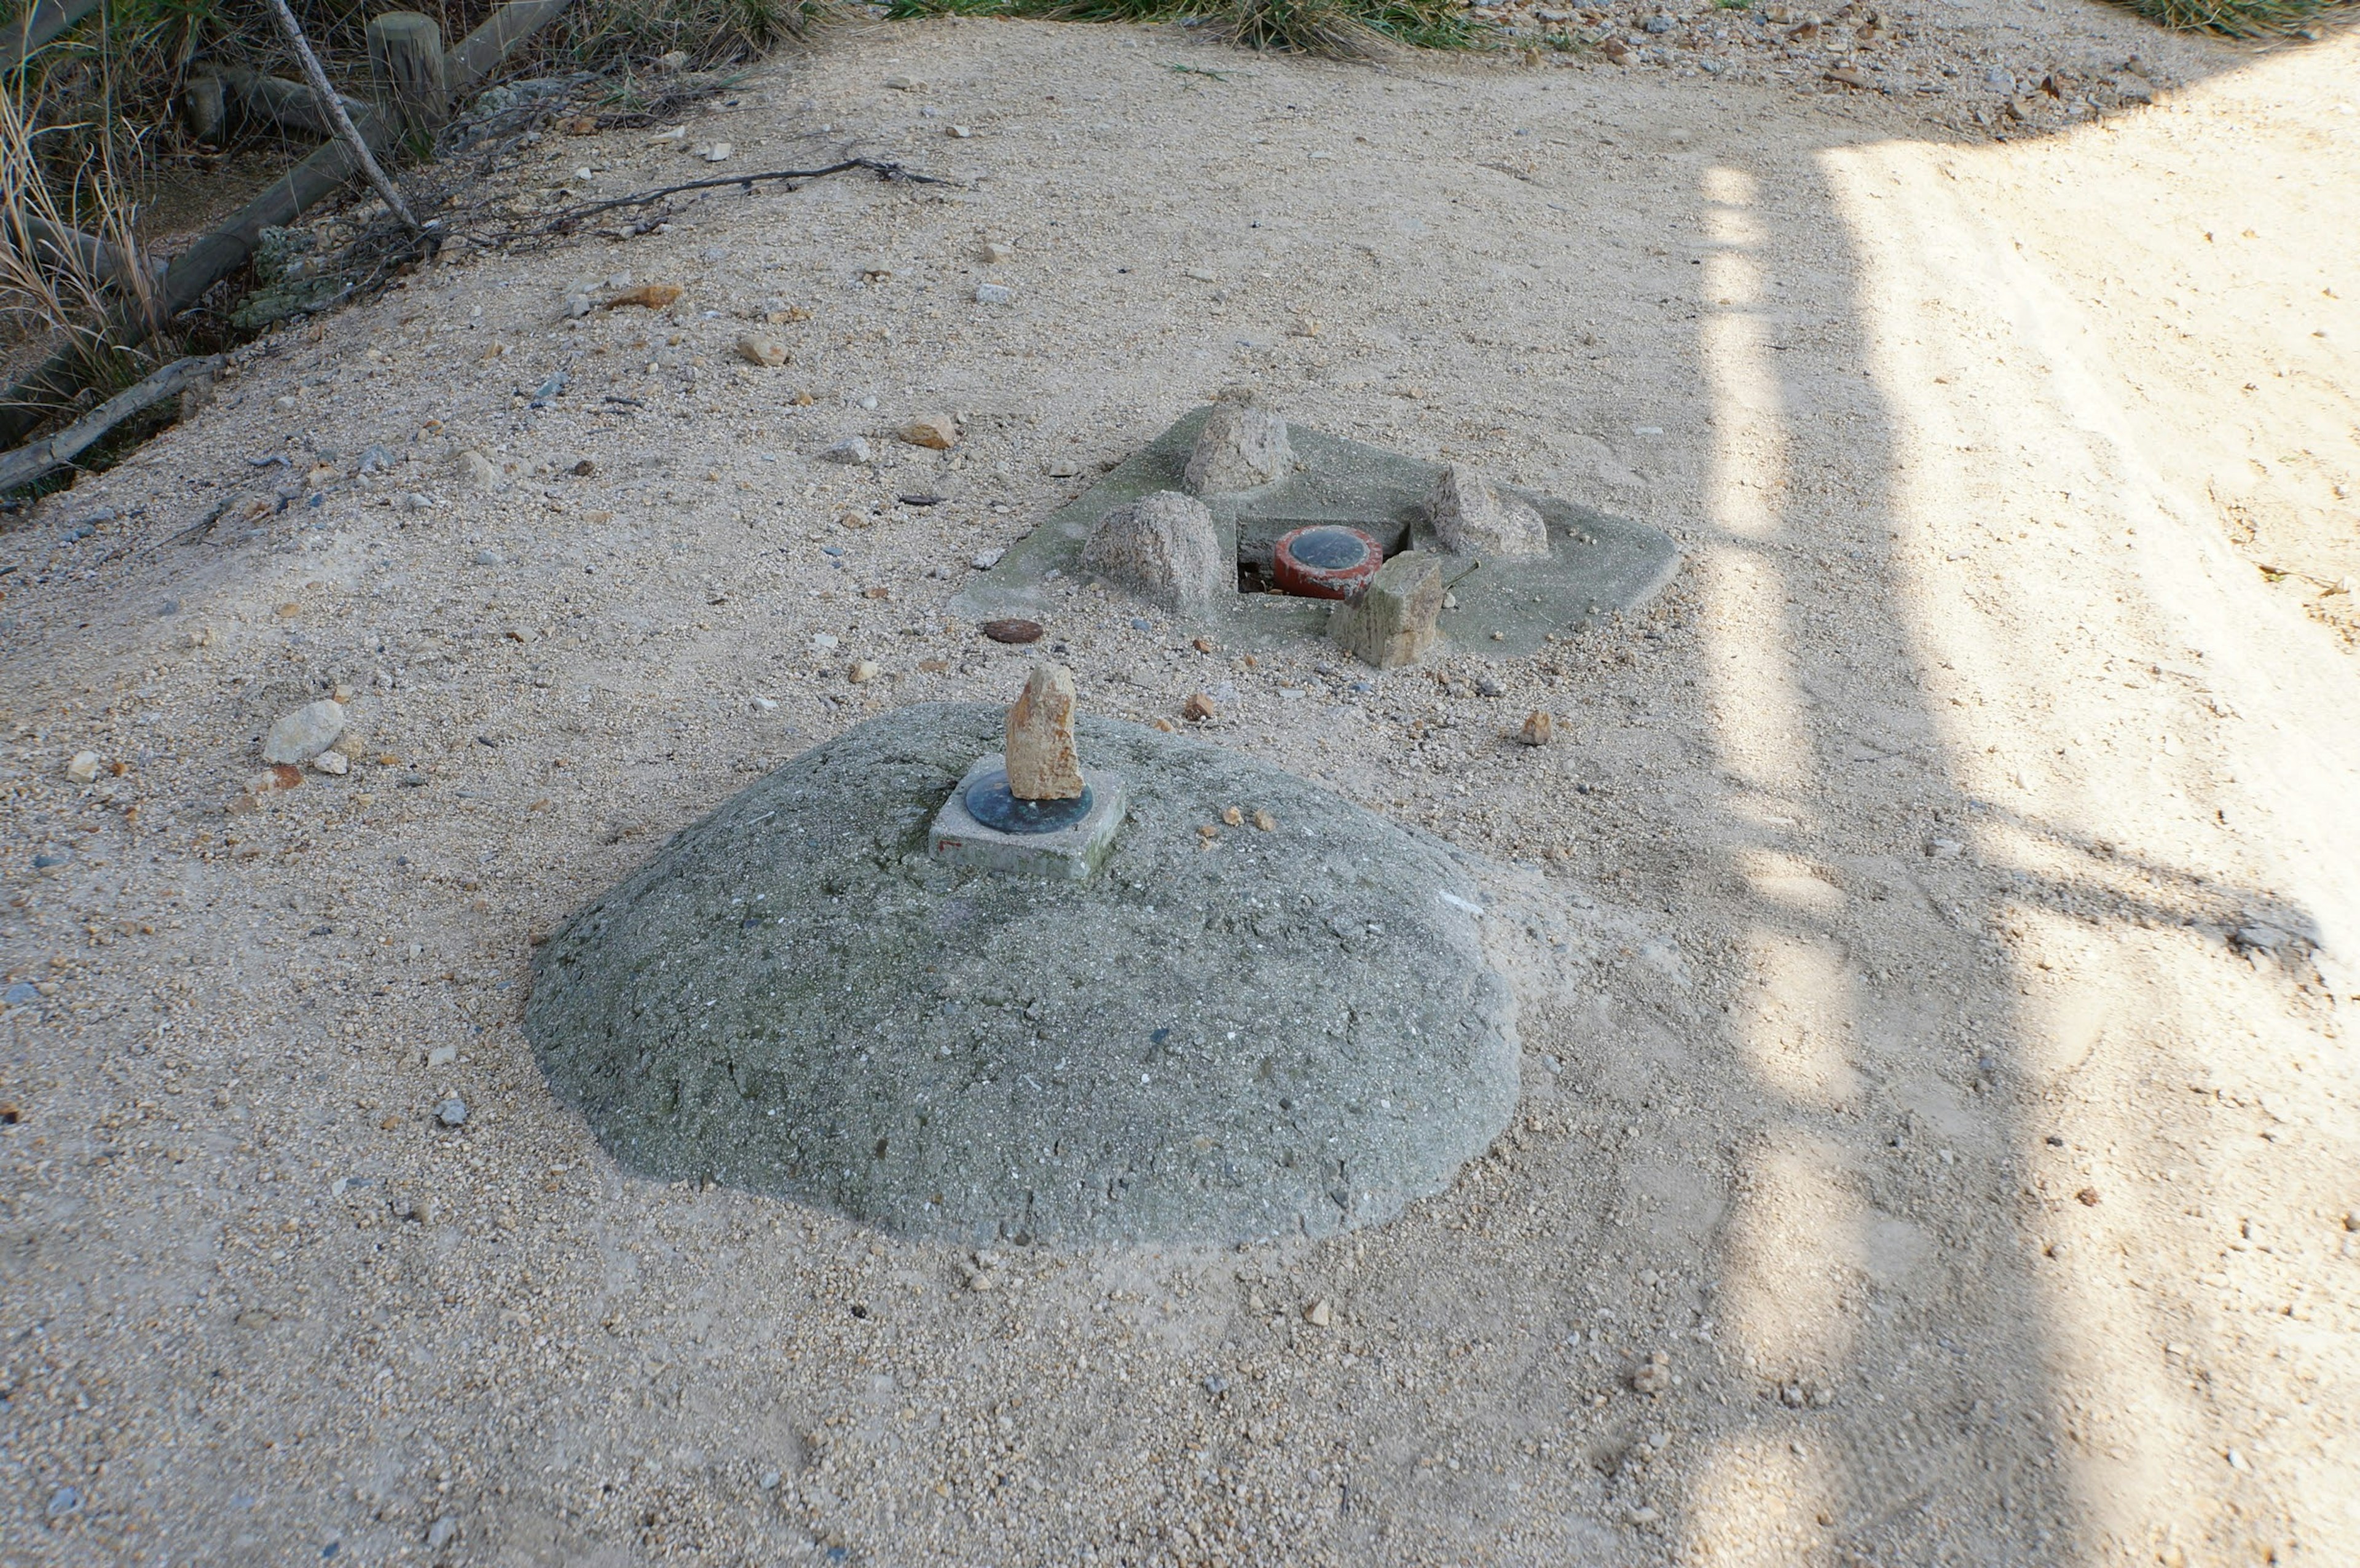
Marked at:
<point>1596,564</point>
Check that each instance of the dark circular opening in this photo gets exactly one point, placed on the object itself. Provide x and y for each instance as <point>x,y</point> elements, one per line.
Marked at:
<point>1330,550</point>
<point>989,802</point>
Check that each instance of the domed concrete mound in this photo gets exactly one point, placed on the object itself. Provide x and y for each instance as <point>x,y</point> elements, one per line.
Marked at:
<point>1285,1031</point>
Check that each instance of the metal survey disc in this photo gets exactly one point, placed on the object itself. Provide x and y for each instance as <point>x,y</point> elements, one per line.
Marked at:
<point>1326,562</point>
<point>990,801</point>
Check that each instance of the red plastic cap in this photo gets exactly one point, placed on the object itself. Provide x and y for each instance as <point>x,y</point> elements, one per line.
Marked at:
<point>1326,561</point>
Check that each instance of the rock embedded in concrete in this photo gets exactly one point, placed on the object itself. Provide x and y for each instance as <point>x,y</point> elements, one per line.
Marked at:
<point>1163,549</point>
<point>1240,447</point>
<point>1392,623</point>
<point>1289,1033</point>
<point>1043,762</point>
<point>1470,515</point>
<point>300,736</point>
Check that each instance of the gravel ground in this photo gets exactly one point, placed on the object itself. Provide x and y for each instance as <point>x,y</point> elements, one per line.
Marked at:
<point>1933,923</point>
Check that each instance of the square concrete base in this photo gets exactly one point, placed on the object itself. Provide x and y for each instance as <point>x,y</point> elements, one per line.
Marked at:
<point>1069,855</point>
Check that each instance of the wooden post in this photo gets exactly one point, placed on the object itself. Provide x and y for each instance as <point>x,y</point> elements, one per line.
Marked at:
<point>406,57</point>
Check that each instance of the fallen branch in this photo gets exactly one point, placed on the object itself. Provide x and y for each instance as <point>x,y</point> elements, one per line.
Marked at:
<point>567,221</point>
<point>293,104</point>
<point>89,253</point>
<point>332,108</point>
<point>41,24</point>
<point>27,463</point>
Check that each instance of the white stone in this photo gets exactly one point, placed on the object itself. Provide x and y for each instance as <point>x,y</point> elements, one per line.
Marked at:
<point>84,769</point>
<point>1471,516</point>
<point>300,736</point>
<point>1239,448</point>
<point>1164,549</point>
<point>336,764</point>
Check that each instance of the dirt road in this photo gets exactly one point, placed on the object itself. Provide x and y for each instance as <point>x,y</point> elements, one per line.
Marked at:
<point>1936,924</point>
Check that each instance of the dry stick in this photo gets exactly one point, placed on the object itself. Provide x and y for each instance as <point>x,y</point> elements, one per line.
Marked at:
<point>27,463</point>
<point>565,222</point>
<point>332,107</point>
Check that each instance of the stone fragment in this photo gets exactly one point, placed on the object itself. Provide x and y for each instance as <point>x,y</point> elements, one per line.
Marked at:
<point>939,432</point>
<point>300,736</point>
<point>84,769</point>
<point>1393,622</point>
<point>719,152</point>
<point>862,671</point>
<point>761,348</point>
<point>647,296</point>
<point>268,782</point>
<point>994,294</point>
<point>851,449</point>
<point>1240,447</point>
<point>451,1113</point>
<point>1197,708</point>
<point>1538,725</point>
<point>1319,1314</point>
<point>1264,823</point>
<point>1041,762</point>
<point>333,763</point>
<point>1654,1374</point>
<point>1013,631</point>
<point>1164,549</point>
<point>478,470</point>
<point>1471,516</point>
<point>996,251</point>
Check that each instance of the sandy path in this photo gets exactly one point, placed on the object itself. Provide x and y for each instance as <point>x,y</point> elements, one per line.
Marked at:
<point>1883,895</point>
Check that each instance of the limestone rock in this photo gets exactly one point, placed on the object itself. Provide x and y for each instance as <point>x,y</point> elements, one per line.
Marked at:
<point>1539,725</point>
<point>761,348</point>
<point>82,768</point>
<point>937,431</point>
<point>478,470</point>
<point>1471,516</point>
<point>1041,762</point>
<point>1240,447</point>
<point>1164,549</point>
<point>300,736</point>
<point>1393,622</point>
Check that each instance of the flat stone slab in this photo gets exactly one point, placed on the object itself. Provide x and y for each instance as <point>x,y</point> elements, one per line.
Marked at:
<point>1069,853</point>
<point>1596,564</point>
<point>1283,1032</point>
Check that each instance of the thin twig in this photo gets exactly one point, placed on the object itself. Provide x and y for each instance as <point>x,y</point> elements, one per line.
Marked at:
<point>565,222</point>
<point>332,107</point>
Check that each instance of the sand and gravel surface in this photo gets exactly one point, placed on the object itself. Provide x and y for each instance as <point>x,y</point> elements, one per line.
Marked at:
<point>1935,923</point>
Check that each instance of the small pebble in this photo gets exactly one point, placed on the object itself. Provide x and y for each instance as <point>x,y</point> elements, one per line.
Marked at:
<point>994,294</point>
<point>862,671</point>
<point>852,449</point>
<point>84,769</point>
<point>451,1112</point>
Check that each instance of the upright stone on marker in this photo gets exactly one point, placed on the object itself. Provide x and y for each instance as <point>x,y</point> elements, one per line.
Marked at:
<point>1043,764</point>
<point>1471,516</point>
